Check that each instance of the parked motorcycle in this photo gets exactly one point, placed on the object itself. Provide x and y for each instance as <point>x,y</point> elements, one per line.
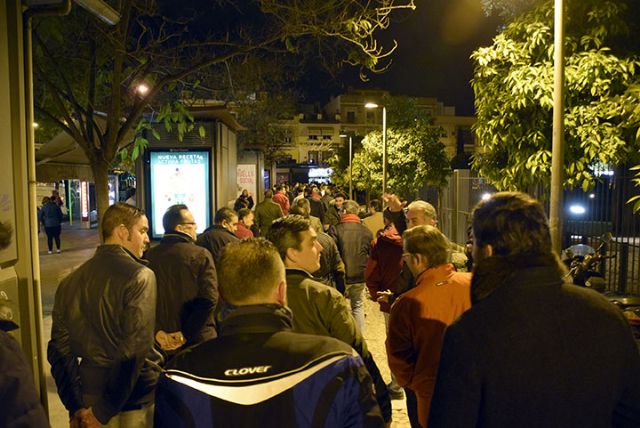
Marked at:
<point>583,262</point>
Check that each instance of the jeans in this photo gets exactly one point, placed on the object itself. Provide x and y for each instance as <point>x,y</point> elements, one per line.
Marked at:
<point>138,418</point>
<point>141,418</point>
<point>394,383</point>
<point>53,232</point>
<point>355,294</point>
<point>412,408</point>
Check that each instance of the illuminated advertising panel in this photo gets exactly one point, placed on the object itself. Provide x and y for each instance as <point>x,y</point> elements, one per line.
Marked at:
<point>320,175</point>
<point>179,177</point>
<point>84,201</point>
<point>246,178</point>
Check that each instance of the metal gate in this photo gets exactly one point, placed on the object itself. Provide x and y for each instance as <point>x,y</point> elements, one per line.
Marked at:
<point>593,217</point>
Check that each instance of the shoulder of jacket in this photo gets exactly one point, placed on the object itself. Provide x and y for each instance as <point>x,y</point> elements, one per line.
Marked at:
<point>316,287</point>
<point>462,277</point>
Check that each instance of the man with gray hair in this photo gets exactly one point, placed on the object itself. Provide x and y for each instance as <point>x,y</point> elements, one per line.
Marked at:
<point>419,317</point>
<point>418,213</point>
<point>354,242</point>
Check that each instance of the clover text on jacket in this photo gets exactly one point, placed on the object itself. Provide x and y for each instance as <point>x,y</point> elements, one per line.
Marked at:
<point>246,370</point>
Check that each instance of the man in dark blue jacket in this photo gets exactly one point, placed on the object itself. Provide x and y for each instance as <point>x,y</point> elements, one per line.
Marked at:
<point>258,372</point>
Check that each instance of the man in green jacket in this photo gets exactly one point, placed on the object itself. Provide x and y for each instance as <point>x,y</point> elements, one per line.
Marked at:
<point>318,308</point>
<point>266,212</point>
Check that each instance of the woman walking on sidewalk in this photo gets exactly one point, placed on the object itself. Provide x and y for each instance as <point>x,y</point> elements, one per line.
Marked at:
<point>51,218</point>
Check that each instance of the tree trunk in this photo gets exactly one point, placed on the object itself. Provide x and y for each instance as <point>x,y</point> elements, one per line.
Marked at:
<point>101,180</point>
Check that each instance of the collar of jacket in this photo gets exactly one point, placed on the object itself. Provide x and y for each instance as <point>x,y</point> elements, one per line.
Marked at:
<point>266,318</point>
<point>494,272</point>
<point>350,218</point>
<point>218,227</point>
<point>118,250</point>
<point>434,275</point>
<point>175,236</point>
<point>298,271</point>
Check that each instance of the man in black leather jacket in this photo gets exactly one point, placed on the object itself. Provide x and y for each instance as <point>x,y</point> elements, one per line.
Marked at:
<point>102,333</point>
<point>354,242</point>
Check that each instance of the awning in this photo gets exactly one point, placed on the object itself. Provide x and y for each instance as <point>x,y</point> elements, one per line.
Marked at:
<point>63,159</point>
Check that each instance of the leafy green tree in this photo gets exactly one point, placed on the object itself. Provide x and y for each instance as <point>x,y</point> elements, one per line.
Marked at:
<point>339,162</point>
<point>415,155</point>
<point>83,66</point>
<point>508,8</point>
<point>633,101</point>
<point>513,85</point>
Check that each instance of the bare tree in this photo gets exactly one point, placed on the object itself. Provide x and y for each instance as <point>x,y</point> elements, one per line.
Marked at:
<point>83,67</point>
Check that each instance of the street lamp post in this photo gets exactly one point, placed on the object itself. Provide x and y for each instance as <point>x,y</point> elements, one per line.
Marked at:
<point>557,142</point>
<point>350,167</point>
<point>350,163</point>
<point>384,144</point>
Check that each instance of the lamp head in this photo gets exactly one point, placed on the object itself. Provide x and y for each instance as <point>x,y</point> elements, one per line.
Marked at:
<point>371,105</point>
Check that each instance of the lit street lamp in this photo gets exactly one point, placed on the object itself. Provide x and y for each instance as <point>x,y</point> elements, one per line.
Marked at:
<point>142,89</point>
<point>384,144</point>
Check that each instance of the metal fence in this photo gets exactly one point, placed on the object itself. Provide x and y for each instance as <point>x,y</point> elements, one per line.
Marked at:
<point>599,216</point>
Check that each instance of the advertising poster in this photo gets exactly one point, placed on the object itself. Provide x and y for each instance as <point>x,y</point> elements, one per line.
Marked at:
<point>179,178</point>
<point>246,178</point>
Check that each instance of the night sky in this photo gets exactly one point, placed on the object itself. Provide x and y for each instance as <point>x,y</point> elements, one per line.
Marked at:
<point>432,59</point>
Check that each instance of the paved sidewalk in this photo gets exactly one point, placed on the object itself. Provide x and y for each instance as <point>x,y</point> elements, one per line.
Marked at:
<point>78,245</point>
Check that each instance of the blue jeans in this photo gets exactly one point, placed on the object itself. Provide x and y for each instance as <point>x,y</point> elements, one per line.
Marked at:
<point>139,418</point>
<point>355,294</point>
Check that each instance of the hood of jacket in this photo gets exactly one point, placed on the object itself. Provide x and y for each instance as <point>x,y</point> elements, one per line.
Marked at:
<point>391,236</point>
<point>175,236</point>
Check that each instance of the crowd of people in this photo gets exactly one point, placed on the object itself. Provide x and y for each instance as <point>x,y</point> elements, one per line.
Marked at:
<point>259,321</point>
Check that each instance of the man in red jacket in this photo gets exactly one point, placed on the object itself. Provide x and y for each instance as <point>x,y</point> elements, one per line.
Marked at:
<point>245,221</point>
<point>382,276</point>
<point>280,198</point>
